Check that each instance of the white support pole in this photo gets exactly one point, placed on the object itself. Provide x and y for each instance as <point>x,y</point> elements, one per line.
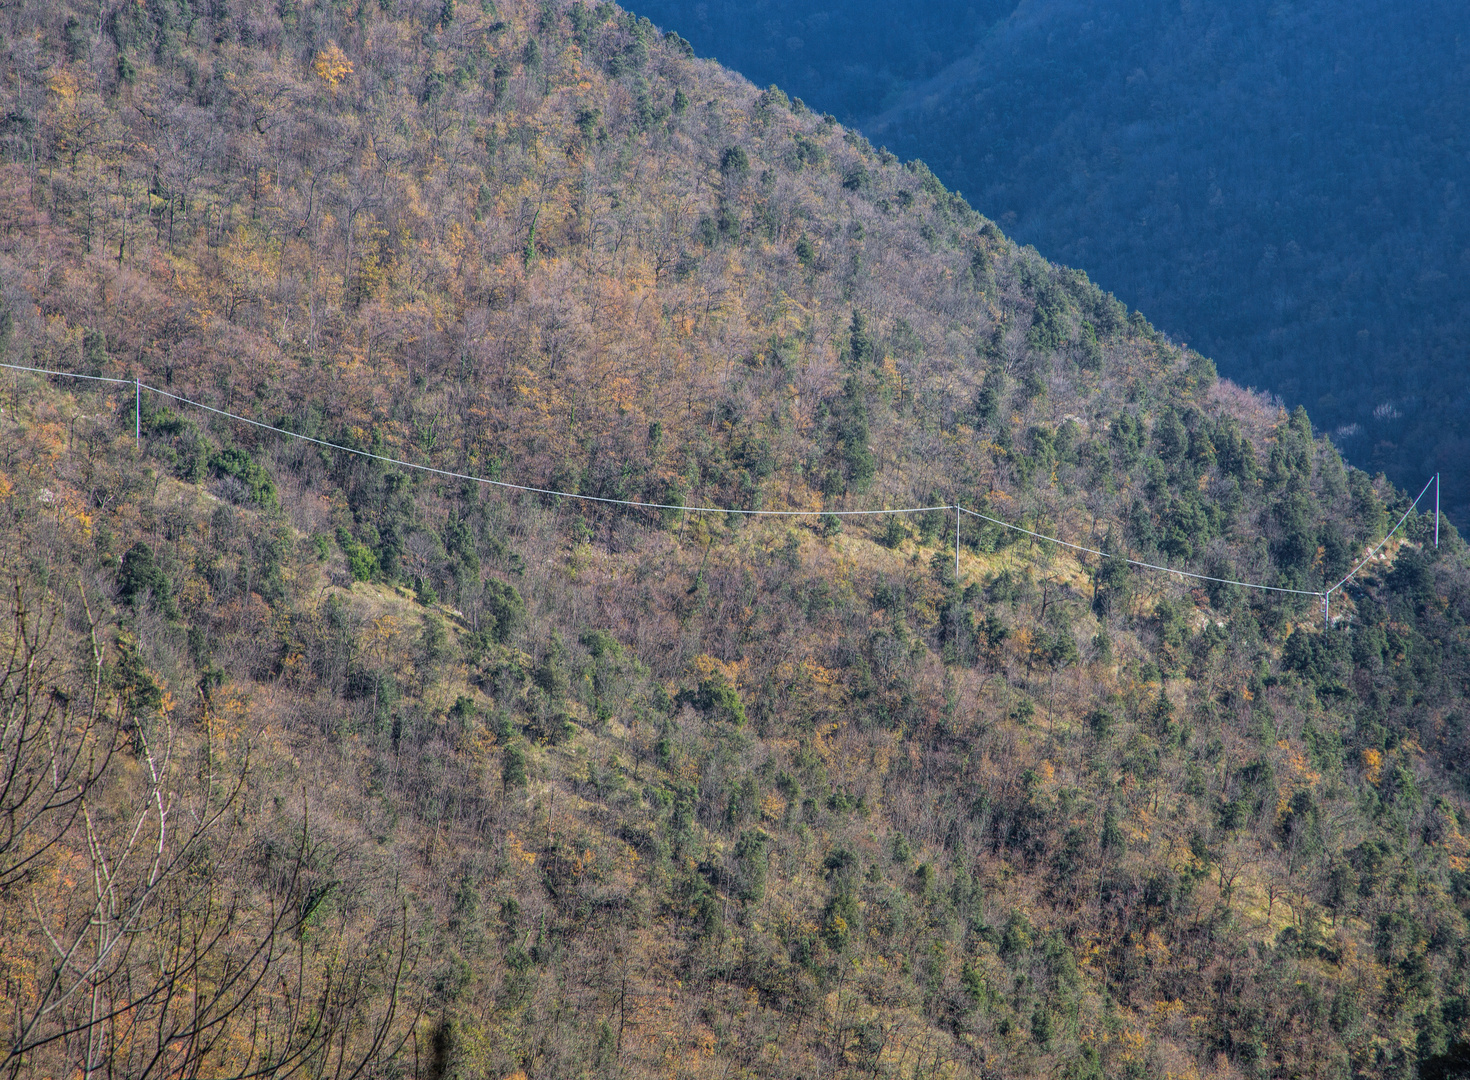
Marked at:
<point>1327,611</point>
<point>138,413</point>
<point>956,546</point>
<point>954,608</point>
<point>1436,509</point>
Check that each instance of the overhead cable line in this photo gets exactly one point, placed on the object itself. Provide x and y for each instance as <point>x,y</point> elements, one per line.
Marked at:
<point>537,490</point>
<point>1323,595</point>
<point>1432,480</point>
<point>1136,562</point>
<point>67,374</point>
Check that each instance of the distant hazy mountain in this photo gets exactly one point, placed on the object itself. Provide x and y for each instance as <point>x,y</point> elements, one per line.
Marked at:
<point>1280,185</point>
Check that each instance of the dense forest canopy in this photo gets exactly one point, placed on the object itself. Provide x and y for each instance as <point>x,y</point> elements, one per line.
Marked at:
<point>1280,185</point>
<point>312,764</point>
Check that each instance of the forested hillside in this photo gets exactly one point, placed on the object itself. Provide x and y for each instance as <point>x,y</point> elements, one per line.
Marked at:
<point>317,765</point>
<point>1280,185</point>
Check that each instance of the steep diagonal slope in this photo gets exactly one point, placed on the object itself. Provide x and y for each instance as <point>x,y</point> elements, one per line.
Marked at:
<point>1277,184</point>
<point>328,765</point>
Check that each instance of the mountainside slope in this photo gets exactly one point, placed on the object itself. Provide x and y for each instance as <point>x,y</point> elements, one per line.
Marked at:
<point>318,764</point>
<point>1277,184</point>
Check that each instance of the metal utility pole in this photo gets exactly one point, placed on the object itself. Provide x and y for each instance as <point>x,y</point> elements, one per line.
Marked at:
<point>957,546</point>
<point>955,607</point>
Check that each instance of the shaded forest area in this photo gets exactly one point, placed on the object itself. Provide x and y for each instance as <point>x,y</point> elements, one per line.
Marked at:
<point>1280,185</point>
<point>313,765</point>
